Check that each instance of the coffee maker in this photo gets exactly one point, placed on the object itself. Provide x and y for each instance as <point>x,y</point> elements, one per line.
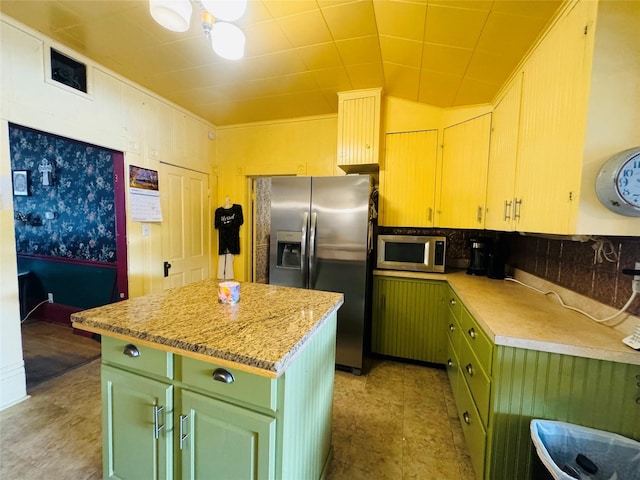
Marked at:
<point>480,248</point>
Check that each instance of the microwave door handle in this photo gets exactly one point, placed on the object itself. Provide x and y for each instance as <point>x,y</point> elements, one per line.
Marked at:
<point>427,253</point>
<point>312,249</point>
<point>303,249</point>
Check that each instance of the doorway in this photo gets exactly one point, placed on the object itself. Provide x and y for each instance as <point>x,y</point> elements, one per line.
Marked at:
<point>70,232</point>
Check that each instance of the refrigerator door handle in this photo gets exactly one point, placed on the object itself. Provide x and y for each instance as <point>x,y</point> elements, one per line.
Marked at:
<point>303,249</point>
<point>312,249</point>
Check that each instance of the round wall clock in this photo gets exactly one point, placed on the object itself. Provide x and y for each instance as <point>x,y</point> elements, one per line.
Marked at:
<point>618,183</point>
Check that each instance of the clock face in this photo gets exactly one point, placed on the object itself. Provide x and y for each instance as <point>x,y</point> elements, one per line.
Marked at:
<point>628,181</point>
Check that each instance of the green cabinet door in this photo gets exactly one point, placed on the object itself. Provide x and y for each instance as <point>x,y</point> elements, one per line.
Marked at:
<point>222,441</point>
<point>409,318</point>
<point>137,426</point>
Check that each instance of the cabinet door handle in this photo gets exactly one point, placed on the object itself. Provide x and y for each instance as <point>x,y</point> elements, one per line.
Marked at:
<point>452,301</point>
<point>507,207</point>
<point>450,362</point>
<point>183,436</point>
<point>472,333</point>
<point>479,214</point>
<point>156,421</point>
<point>469,369</point>
<point>466,418</point>
<point>131,350</point>
<point>516,209</point>
<point>222,375</point>
<point>452,327</point>
<point>430,214</point>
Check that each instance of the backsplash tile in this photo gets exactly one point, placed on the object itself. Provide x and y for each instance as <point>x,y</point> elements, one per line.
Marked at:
<point>577,266</point>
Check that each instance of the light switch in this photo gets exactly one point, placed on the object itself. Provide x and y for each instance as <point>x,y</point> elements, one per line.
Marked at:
<point>146,229</point>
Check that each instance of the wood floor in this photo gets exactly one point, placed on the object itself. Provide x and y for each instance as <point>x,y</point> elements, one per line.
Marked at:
<point>397,422</point>
<point>51,349</point>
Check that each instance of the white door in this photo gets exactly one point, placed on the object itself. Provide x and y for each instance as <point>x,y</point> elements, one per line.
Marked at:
<point>186,225</point>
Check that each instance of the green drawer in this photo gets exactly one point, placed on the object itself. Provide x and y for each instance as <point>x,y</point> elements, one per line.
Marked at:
<point>147,360</point>
<point>454,303</point>
<point>454,332</point>
<point>474,433</point>
<point>245,387</point>
<point>480,343</point>
<point>453,369</point>
<point>476,378</point>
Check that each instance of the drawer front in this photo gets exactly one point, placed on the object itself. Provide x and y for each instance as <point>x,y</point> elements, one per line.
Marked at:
<point>242,386</point>
<point>480,343</point>
<point>454,332</point>
<point>476,378</point>
<point>145,360</point>
<point>474,433</point>
<point>453,369</point>
<point>454,303</point>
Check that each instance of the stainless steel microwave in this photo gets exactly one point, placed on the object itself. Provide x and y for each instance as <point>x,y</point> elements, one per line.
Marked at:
<point>412,253</point>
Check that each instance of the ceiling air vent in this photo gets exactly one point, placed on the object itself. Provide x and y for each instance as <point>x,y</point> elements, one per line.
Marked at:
<point>68,71</point>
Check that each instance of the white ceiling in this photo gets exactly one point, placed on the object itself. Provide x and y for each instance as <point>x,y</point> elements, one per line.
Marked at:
<point>299,53</point>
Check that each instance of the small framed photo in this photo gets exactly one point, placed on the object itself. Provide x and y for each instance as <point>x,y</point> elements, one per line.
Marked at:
<point>21,182</point>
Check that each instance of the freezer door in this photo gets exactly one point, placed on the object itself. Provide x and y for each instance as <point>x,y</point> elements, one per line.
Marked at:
<point>338,255</point>
<point>289,244</point>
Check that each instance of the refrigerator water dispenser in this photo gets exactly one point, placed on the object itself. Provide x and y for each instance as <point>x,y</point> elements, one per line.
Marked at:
<point>289,250</point>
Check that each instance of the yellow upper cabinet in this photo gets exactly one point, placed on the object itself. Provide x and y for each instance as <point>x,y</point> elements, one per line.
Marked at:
<point>500,211</point>
<point>359,130</point>
<point>571,106</point>
<point>551,132</point>
<point>408,179</point>
<point>465,158</point>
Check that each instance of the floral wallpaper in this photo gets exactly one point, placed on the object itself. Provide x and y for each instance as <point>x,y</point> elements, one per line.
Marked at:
<point>74,216</point>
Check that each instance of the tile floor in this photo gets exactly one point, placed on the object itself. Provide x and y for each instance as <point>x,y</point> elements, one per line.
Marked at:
<point>396,422</point>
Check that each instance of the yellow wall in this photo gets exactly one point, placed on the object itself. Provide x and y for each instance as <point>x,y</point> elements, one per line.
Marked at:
<point>304,146</point>
<point>116,114</point>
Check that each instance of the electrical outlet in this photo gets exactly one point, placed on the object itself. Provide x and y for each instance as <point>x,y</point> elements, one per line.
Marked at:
<point>50,297</point>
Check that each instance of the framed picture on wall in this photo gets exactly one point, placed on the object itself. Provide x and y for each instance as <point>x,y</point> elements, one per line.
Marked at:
<point>21,182</point>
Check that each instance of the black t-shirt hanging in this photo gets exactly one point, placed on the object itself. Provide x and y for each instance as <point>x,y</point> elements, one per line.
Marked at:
<point>228,221</point>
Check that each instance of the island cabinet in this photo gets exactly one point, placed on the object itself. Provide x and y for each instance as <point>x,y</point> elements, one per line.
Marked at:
<point>499,389</point>
<point>408,318</point>
<point>169,416</point>
<point>359,115</point>
<point>463,184</point>
<point>408,179</point>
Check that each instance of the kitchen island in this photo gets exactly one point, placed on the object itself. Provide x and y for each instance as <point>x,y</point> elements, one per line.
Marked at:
<point>191,386</point>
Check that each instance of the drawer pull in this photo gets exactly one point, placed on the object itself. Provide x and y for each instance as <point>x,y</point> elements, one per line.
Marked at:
<point>222,375</point>
<point>452,301</point>
<point>156,421</point>
<point>450,362</point>
<point>466,418</point>
<point>452,327</point>
<point>131,351</point>
<point>183,436</point>
<point>469,369</point>
<point>472,333</point>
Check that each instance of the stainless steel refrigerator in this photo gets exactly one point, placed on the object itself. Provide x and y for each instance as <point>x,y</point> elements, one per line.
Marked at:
<point>319,240</point>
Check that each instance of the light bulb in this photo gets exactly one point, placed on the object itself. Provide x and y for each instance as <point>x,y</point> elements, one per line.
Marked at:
<point>225,10</point>
<point>173,15</point>
<point>227,40</point>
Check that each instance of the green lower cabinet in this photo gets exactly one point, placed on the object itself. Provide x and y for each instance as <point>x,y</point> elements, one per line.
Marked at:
<point>409,317</point>
<point>220,440</point>
<point>137,426</point>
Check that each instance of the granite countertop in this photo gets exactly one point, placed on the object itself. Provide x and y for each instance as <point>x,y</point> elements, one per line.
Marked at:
<point>261,333</point>
<point>514,315</point>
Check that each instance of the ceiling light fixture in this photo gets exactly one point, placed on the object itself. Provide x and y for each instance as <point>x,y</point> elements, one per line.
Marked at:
<point>226,39</point>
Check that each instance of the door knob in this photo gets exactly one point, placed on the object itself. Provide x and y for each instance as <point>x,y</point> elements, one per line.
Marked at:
<point>167,266</point>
